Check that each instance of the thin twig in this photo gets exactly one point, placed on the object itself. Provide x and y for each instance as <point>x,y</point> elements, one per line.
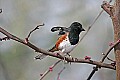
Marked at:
<point>93,72</point>
<point>58,78</point>
<point>37,27</point>
<point>50,69</point>
<point>102,60</point>
<point>108,51</point>
<point>91,25</point>
<point>108,58</point>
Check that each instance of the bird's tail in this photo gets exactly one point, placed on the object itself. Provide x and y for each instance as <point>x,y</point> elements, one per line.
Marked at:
<point>42,56</point>
<point>53,49</point>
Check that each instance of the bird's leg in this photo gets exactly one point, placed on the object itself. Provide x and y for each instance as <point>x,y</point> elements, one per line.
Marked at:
<point>66,62</point>
<point>61,54</point>
<point>58,53</point>
<point>64,58</point>
<point>64,55</point>
<point>70,57</point>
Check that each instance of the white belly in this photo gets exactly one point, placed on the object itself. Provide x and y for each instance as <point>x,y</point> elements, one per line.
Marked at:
<point>65,46</point>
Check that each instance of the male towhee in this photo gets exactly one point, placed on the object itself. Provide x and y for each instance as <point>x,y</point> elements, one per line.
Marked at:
<point>69,37</point>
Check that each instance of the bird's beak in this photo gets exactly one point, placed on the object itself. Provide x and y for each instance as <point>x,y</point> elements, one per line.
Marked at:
<point>82,29</point>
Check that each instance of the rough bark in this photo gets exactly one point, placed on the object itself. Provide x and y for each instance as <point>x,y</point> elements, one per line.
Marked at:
<point>116,24</point>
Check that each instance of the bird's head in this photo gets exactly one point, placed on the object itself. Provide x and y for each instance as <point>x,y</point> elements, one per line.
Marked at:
<point>76,27</point>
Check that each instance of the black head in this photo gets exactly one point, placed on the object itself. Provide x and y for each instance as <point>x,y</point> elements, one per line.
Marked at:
<point>76,27</point>
<point>75,30</point>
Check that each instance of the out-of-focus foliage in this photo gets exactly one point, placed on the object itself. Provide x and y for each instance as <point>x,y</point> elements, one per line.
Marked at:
<point>20,16</point>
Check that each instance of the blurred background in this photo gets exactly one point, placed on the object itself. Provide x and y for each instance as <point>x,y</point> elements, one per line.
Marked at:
<point>20,16</point>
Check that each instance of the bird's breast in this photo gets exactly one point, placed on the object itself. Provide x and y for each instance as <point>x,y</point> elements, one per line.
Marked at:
<point>65,46</point>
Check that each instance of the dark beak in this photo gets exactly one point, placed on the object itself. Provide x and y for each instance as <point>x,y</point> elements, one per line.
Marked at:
<point>82,29</point>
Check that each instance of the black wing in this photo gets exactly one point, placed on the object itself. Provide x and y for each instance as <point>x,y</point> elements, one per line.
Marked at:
<point>62,30</point>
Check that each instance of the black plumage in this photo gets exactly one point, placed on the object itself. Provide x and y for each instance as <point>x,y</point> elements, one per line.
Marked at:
<point>75,30</point>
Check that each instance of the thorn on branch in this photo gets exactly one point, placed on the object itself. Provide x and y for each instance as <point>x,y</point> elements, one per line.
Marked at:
<point>5,38</point>
<point>37,27</point>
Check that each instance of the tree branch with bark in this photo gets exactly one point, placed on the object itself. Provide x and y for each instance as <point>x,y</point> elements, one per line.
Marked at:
<point>114,12</point>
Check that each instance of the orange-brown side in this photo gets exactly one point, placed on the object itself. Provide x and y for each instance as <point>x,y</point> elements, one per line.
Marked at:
<point>60,39</point>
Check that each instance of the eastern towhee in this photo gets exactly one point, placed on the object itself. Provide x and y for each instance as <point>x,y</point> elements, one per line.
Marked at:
<point>69,37</point>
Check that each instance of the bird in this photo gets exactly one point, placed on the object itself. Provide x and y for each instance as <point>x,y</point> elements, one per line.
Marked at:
<point>69,38</point>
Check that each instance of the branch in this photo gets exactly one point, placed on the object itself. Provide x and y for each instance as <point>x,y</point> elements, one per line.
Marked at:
<point>58,78</point>
<point>114,12</point>
<point>69,59</point>
<point>91,25</point>
<point>93,72</point>
<point>108,51</point>
<point>37,27</point>
<point>109,58</point>
<point>49,70</point>
<point>102,60</point>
